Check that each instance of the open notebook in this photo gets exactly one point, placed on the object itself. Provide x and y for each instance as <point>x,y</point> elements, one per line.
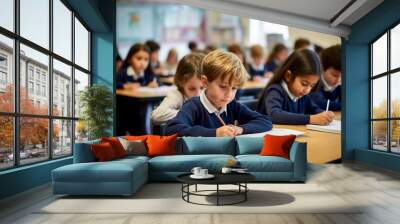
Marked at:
<point>275,131</point>
<point>333,127</point>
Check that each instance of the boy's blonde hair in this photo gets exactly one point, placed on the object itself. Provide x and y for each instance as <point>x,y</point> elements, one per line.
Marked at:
<point>256,51</point>
<point>223,65</point>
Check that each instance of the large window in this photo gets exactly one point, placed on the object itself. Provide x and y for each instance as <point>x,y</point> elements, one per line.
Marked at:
<point>44,64</point>
<point>385,94</point>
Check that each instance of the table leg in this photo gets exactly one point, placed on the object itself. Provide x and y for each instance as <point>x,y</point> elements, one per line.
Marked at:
<point>217,194</point>
<point>245,193</point>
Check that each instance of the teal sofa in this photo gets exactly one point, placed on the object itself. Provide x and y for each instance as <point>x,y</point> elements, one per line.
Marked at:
<point>125,176</point>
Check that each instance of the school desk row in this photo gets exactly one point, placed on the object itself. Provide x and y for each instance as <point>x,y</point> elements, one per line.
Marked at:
<point>134,109</point>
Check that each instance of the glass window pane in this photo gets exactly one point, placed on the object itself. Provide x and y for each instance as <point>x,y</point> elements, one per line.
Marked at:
<point>81,81</point>
<point>81,131</point>
<point>6,74</point>
<point>35,21</point>
<point>379,55</point>
<point>6,142</point>
<point>34,96</point>
<point>7,14</point>
<point>81,45</point>
<point>62,89</point>
<point>33,140</point>
<point>395,47</point>
<point>379,135</point>
<point>379,98</point>
<point>395,138</point>
<point>62,29</point>
<point>395,94</point>
<point>62,138</point>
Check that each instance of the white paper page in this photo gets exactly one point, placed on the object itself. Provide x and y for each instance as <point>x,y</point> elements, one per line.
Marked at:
<point>334,127</point>
<point>275,131</point>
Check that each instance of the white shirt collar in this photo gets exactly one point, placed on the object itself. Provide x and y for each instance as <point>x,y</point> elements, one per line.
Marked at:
<point>257,67</point>
<point>131,72</point>
<point>208,105</point>
<point>328,87</point>
<point>286,88</point>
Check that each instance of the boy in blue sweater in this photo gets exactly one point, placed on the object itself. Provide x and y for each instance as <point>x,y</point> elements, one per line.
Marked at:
<point>215,112</point>
<point>329,87</point>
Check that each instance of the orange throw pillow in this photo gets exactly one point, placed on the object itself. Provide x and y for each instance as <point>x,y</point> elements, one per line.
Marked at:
<point>116,145</point>
<point>277,145</point>
<point>103,152</point>
<point>161,145</point>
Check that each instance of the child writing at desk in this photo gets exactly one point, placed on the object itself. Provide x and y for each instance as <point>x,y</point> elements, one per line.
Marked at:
<point>329,87</point>
<point>215,112</point>
<point>286,97</point>
<point>188,83</point>
<point>132,74</point>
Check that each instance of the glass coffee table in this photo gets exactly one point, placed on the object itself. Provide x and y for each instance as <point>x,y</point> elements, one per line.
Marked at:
<point>238,179</point>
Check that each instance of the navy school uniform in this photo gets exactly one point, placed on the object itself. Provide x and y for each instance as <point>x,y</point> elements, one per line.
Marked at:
<point>321,97</point>
<point>276,103</point>
<point>195,120</point>
<point>123,78</point>
<point>271,66</point>
<point>257,71</point>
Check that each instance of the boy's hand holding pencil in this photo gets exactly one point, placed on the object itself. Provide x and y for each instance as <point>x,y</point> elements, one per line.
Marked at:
<point>228,130</point>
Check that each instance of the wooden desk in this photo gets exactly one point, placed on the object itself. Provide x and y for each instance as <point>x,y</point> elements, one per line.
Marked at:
<point>322,147</point>
<point>145,93</point>
<point>134,108</point>
<point>254,85</point>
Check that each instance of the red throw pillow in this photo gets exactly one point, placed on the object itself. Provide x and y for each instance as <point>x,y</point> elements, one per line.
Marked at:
<point>103,152</point>
<point>161,145</point>
<point>116,145</point>
<point>277,145</point>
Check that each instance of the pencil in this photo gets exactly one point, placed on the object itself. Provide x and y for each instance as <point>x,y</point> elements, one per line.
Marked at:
<point>220,119</point>
<point>327,106</point>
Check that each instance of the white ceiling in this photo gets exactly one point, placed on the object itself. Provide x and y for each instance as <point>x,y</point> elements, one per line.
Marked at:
<point>314,15</point>
<point>320,9</point>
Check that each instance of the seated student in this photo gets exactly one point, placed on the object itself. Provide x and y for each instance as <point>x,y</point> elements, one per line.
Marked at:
<point>132,74</point>
<point>192,45</point>
<point>171,63</point>
<point>215,112</point>
<point>301,43</point>
<point>278,55</point>
<point>329,87</point>
<point>286,96</point>
<point>155,67</point>
<point>237,50</point>
<point>257,67</point>
<point>188,83</point>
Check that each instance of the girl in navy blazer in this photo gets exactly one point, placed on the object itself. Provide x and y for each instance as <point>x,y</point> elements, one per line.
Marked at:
<point>286,97</point>
<point>133,73</point>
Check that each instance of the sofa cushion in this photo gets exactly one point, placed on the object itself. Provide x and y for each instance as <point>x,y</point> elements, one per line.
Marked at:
<point>161,145</point>
<point>103,152</point>
<point>112,171</point>
<point>257,163</point>
<point>134,147</point>
<point>116,145</point>
<point>248,145</point>
<point>185,163</point>
<point>277,145</point>
<point>206,145</point>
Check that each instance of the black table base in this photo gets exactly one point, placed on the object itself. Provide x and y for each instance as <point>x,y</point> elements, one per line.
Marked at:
<point>241,191</point>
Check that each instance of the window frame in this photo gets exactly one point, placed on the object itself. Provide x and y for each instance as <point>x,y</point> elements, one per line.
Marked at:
<point>16,114</point>
<point>388,74</point>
